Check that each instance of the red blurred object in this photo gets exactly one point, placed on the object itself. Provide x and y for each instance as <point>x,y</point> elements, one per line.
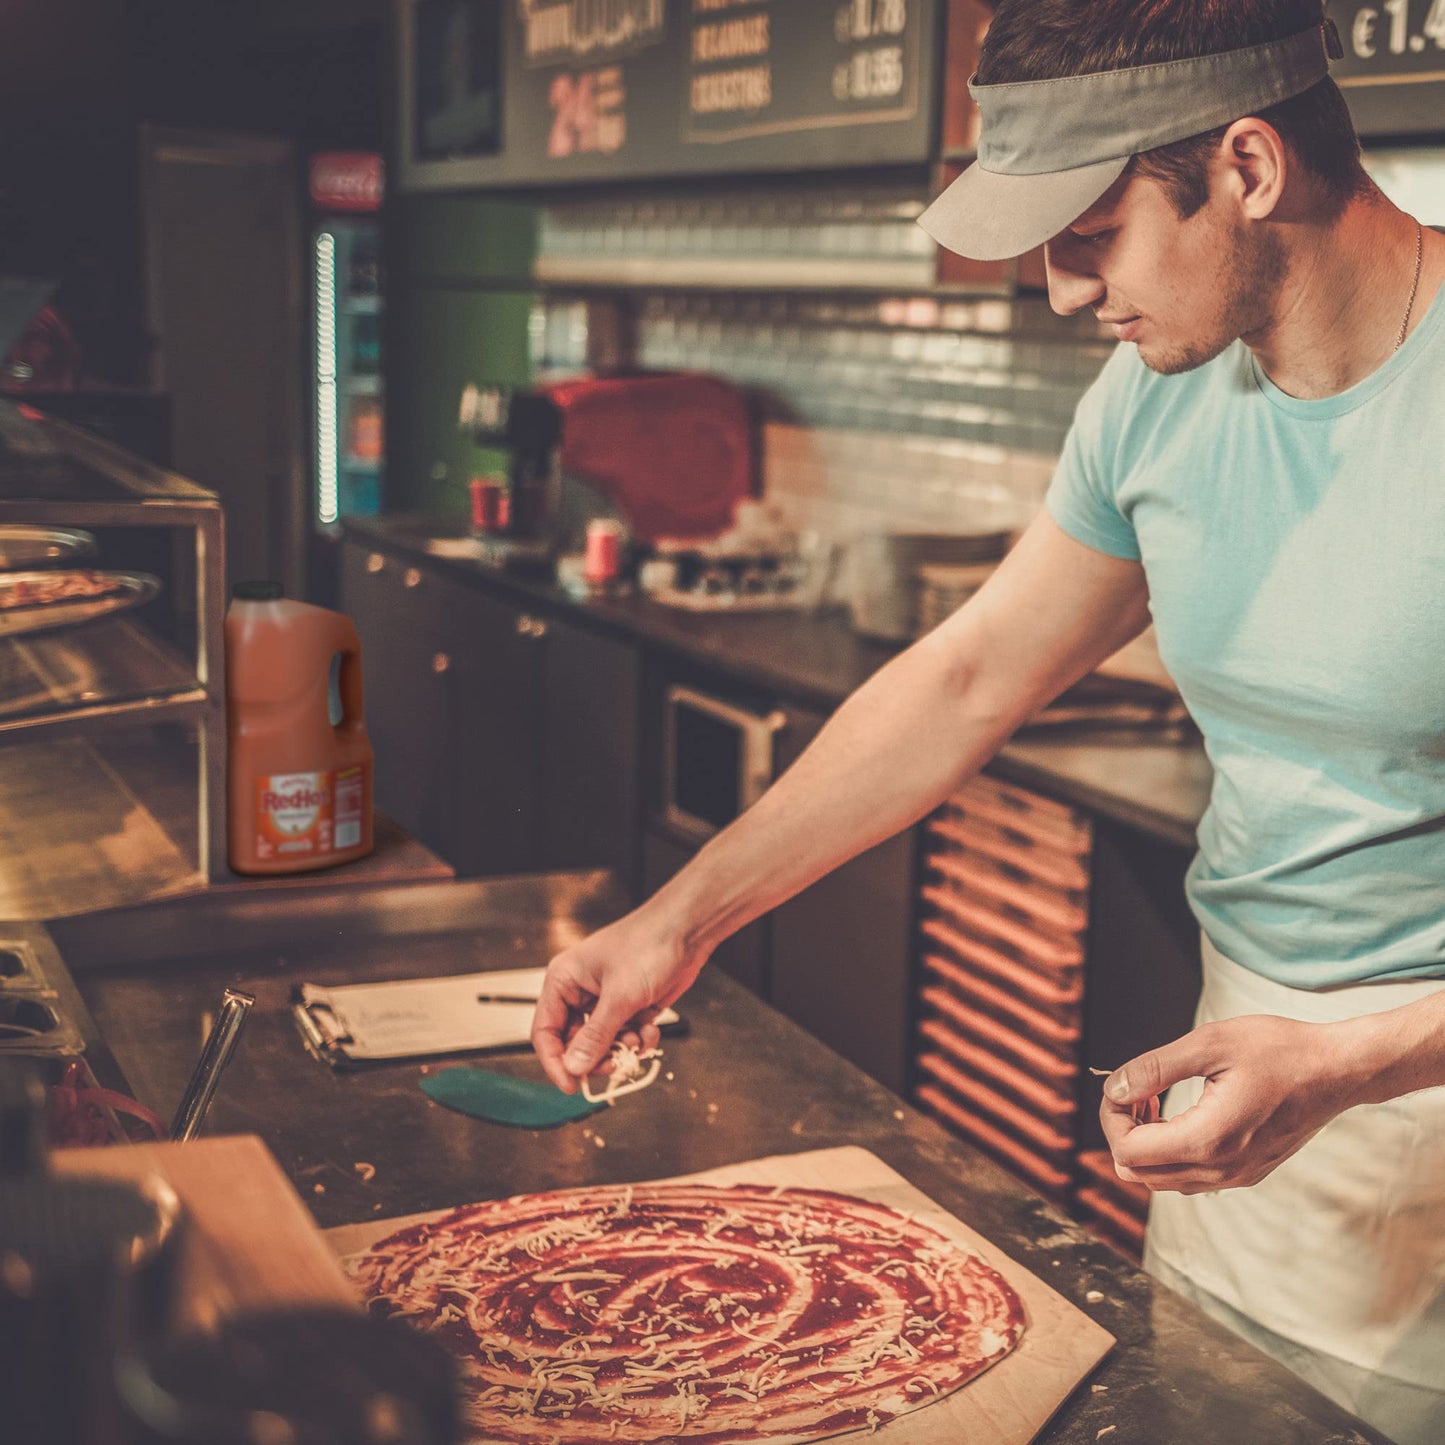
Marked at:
<point>77,1118</point>
<point>602,560</point>
<point>365,430</point>
<point>489,504</point>
<point>674,452</point>
<point>347,181</point>
<point>46,358</point>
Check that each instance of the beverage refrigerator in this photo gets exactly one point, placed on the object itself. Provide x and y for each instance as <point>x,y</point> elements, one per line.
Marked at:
<point>347,297</point>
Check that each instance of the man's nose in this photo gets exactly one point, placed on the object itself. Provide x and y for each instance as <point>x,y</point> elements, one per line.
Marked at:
<point>1071,285</point>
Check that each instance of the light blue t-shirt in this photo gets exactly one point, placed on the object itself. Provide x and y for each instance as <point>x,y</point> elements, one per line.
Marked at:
<point>1295,556</point>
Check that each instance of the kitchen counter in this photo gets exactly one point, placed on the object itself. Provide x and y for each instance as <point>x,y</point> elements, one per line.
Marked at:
<point>1158,785</point>
<point>746,1083</point>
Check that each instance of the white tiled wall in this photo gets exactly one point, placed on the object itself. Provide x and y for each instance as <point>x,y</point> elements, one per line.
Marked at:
<point>849,483</point>
<point>881,408</point>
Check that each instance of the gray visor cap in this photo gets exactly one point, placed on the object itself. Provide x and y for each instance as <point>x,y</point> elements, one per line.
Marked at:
<point>1050,148</point>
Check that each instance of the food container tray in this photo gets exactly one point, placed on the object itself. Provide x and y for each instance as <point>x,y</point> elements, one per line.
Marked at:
<point>20,969</point>
<point>33,1023</point>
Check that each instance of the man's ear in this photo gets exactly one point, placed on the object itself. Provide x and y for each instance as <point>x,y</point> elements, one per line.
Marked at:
<point>1254,164</point>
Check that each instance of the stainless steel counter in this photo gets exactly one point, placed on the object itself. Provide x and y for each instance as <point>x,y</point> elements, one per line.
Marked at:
<point>746,1083</point>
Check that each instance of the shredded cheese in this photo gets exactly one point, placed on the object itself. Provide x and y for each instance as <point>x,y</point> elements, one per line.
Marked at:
<point>683,1310</point>
<point>631,1070</point>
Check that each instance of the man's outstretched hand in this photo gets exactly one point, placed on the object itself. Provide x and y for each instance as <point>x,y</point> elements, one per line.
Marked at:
<point>607,988</point>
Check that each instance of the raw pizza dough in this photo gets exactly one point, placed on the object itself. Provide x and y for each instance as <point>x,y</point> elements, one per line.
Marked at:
<point>692,1313</point>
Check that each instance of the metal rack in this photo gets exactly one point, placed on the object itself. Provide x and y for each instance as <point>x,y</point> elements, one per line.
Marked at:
<point>1003,925</point>
<point>112,734</point>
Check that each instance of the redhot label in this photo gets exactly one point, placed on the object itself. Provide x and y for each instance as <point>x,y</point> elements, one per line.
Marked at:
<point>309,814</point>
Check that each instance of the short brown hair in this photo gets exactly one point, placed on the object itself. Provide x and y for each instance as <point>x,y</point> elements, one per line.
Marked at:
<point>1047,39</point>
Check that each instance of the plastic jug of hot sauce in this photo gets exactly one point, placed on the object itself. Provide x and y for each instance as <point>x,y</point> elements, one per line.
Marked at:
<point>299,790</point>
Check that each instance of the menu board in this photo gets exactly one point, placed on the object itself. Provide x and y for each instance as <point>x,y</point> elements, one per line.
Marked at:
<point>527,92</point>
<point>1393,71</point>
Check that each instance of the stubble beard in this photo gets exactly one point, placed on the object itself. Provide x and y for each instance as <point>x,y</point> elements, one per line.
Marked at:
<point>1246,279</point>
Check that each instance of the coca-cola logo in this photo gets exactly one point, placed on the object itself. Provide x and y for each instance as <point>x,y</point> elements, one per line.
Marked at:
<point>347,181</point>
<point>295,803</point>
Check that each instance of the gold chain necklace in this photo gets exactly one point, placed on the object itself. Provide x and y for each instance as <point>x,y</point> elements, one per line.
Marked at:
<point>1414,285</point>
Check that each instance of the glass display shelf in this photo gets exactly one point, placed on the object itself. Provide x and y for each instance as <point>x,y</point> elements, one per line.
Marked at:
<point>112,730</point>
<point>102,672</point>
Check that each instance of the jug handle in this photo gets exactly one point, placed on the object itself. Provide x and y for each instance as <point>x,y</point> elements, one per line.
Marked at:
<point>348,684</point>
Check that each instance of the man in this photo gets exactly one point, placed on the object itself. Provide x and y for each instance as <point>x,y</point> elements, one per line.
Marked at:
<point>1259,471</point>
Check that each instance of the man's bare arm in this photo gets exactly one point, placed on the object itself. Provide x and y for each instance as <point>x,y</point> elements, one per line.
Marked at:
<point>918,729</point>
<point>897,748</point>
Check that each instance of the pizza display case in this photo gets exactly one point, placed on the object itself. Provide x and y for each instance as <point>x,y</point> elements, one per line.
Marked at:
<point>112,723</point>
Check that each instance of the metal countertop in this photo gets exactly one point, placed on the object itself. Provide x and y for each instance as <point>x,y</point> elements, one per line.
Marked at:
<point>747,1083</point>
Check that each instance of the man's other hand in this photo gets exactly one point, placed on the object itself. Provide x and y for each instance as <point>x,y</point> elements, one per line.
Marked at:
<point>607,988</point>
<point>1270,1084</point>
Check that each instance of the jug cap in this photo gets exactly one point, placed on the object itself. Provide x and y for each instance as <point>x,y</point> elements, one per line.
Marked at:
<point>257,591</point>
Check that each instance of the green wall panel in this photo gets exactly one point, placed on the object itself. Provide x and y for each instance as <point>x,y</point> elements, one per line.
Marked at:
<point>469,238</point>
<point>459,298</point>
<point>445,338</point>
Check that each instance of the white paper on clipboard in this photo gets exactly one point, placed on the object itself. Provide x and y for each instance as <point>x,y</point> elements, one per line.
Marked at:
<point>418,1016</point>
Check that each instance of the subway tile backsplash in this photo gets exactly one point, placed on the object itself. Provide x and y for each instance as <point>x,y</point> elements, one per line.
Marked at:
<point>883,404</point>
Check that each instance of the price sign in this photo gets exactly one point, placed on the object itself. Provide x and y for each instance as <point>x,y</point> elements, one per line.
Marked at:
<point>1393,71</point>
<point>1389,24</point>
<point>642,88</point>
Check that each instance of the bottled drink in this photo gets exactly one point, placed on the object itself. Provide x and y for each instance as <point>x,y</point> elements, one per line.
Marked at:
<point>300,770</point>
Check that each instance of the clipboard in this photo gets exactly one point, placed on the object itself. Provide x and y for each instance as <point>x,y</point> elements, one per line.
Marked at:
<point>350,1025</point>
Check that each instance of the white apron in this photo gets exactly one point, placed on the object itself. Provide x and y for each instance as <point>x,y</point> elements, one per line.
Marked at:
<point>1341,1249</point>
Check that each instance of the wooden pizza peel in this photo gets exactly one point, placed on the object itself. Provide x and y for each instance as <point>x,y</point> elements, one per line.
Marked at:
<point>247,1241</point>
<point>1007,1405</point>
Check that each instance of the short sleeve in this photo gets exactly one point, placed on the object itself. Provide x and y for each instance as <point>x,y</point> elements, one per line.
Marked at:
<point>1082,498</point>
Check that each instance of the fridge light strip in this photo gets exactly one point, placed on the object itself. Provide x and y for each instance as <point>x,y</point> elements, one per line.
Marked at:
<point>327,437</point>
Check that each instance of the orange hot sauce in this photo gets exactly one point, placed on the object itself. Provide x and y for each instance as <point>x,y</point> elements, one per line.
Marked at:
<point>299,784</point>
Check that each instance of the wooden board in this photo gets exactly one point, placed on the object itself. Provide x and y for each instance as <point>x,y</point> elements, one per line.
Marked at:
<point>75,838</point>
<point>249,1242</point>
<point>1007,1405</point>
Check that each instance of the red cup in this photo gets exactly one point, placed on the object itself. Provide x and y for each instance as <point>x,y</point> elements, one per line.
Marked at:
<point>489,504</point>
<point>602,556</point>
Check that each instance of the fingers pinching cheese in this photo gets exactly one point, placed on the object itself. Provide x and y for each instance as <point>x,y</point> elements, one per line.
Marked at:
<point>632,1069</point>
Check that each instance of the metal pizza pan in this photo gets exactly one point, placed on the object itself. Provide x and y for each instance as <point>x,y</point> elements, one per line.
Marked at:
<point>24,544</point>
<point>31,601</point>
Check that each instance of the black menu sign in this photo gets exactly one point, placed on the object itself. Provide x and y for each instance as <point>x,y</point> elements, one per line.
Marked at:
<point>578,90</point>
<point>1393,71</point>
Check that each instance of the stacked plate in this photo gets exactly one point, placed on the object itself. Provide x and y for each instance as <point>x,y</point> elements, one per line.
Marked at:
<point>36,600</point>
<point>903,583</point>
<point>25,545</point>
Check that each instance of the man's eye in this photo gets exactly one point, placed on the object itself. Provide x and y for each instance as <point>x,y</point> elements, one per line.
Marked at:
<point>1093,238</point>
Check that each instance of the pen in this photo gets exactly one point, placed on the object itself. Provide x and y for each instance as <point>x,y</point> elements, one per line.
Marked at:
<point>506,998</point>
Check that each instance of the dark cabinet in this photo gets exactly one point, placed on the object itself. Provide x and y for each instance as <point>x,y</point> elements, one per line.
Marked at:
<point>836,958</point>
<point>842,949</point>
<point>746,955</point>
<point>504,740</point>
<point>591,700</point>
<point>841,959</point>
